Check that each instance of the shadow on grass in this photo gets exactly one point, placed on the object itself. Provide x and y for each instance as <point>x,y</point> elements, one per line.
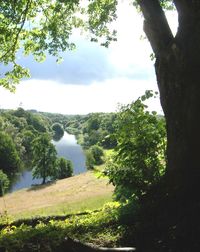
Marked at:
<point>36,187</point>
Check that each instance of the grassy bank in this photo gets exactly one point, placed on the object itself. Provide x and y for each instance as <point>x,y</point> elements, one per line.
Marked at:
<point>72,195</point>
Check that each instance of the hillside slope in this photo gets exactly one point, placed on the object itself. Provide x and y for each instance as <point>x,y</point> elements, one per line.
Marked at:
<point>69,195</point>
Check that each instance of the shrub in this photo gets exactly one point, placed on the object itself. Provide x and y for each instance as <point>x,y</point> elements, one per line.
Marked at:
<point>64,168</point>
<point>94,156</point>
<point>9,157</point>
<point>97,153</point>
<point>4,182</point>
<point>90,162</point>
<point>139,157</point>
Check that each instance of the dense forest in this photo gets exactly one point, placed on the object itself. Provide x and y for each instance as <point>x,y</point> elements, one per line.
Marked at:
<point>25,138</point>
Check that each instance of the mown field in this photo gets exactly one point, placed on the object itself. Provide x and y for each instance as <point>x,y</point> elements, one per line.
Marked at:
<point>71,195</point>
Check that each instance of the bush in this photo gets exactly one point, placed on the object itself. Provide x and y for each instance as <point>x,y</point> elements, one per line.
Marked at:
<point>97,153</point>
<point>50,235</point>
<point>9,157</point>
<point>94,156</point>
<point>4,182</point>
<point>90,162</point>
<point>64,168</point>
<point>139,157</point>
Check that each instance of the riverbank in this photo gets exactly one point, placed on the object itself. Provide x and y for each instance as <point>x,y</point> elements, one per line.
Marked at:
<point>66,147</point>
<point>71,195</point>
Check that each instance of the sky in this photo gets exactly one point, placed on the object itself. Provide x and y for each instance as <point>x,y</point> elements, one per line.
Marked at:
<point>91,78</point>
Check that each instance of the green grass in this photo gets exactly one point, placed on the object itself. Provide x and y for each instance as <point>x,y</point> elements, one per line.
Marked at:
<point>92,203</point>
<point>76,194</point>
<point>48,235</point>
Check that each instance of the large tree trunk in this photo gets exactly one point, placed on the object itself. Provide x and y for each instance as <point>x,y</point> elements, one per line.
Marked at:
<point>179,84</point>
<point>178,76</point>
<point>43,180</point>
<point>176,223</point>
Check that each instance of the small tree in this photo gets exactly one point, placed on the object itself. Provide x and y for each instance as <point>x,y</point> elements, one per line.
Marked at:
<point>9,157</point>
<point>44,158</point>
<point>4,182</point>
<point>139,157</point>
<point>64,168</point>
<point>94,157</point>
<point>97,153</point>
<point>90,161</point>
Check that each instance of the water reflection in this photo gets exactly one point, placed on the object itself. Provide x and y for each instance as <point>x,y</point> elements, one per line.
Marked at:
<point>57,137</point>
<point>66,147</point>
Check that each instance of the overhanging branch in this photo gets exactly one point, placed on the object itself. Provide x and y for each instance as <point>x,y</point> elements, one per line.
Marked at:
<point>156,26</point>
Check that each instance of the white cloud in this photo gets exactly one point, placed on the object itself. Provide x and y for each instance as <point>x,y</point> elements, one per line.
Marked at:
<point>130,50</point>
<point>76,99</point>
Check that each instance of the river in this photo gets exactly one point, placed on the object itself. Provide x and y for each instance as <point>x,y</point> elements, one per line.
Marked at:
<point>66,147</point>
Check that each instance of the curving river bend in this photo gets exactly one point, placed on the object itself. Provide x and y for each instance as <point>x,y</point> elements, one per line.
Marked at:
<point>66,147</point>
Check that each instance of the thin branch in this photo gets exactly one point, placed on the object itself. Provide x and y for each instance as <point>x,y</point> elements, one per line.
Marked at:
<point>156,26</point>
<point>13,46</point>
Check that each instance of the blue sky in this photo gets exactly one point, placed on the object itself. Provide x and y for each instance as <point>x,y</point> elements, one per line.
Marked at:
<point>91,78</point>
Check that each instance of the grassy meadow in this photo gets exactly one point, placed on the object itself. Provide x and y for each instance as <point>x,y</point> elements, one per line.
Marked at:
<point>76,194</point>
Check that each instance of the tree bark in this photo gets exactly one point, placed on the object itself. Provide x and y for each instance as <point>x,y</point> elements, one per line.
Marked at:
<point>175,202</point>
<point>44,180</point>
<point>177,69</point>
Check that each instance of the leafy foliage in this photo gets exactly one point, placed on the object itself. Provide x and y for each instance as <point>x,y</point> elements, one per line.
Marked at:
<point>94,156</point>
<point>18,128</point>
<point>97,153</point>
<point>90,162</point>
<point>139,158</point>
<point>23,126</point>
<point>58,131</point>
<point>97,130</point>
<point>4,182</point>
<point>41,27</point>
<point>44,158</point>
<point>9,157</point>
<point>91,129</point>
<point>49,235</point>
<point>64,168</point>
<point>44,26</point>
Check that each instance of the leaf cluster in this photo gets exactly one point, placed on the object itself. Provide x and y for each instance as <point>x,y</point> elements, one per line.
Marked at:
<point>64,168</point>
<point>139,157</point>
<point>50,236</point>
<point>44,157</point>
<point>4,182</point>
<point>94,156</point>
<point>41,27</point>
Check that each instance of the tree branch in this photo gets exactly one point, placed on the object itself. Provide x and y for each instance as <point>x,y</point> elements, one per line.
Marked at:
<point>13,46</point>
<point>156,26</point>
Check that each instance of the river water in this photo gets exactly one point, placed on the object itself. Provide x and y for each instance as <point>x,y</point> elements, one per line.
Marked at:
<point>66,147</point>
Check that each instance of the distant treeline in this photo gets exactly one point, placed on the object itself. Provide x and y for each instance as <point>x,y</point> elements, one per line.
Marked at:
<point>91,129</point>
<point>19,129</point>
